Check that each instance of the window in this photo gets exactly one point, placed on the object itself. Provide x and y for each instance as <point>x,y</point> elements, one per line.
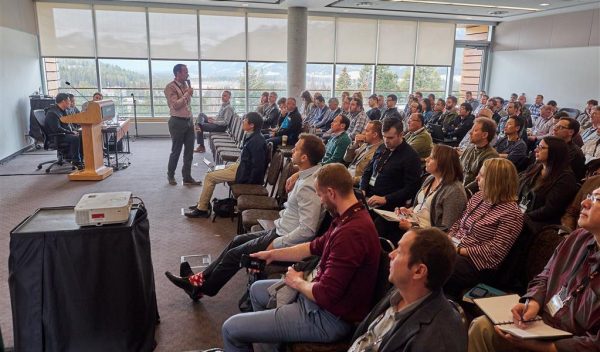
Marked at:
<point>65,29</point>
<point>393,80</point>
<point>356,40</point>
<point>218,76</point>
<point>435,43</point>
<point>353,78</point>
<point>472,32</point>
<point>265,77</point>
<point>120,79</point>
<point>81,73</point>
<point>162,74</point>
<point>267,37</point>
<point>173,35</point>
<point>320,39</point>
<point>467,71</point>
<point>319,78</point>
<point>431,80</point>
<point>222,37</point>
<point>397,41</point>
<point>121,32</point>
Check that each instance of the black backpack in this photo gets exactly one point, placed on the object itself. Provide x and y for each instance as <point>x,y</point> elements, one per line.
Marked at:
<point>224,208</point>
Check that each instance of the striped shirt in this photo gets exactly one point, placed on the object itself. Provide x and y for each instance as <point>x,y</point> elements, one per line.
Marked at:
<point>487,230</point>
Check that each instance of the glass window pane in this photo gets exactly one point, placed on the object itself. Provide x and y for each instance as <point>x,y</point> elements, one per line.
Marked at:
<point>397,41</point>
<point>162,74</point>
<point>320,37</point>
<point>267,37</point>
<point>121,78</point>
<point>173,35</point>
<point>218,76</point>
<point>356,40</point>
<point>121,32</point>
<point>467,71</point>
<point>319,79</point>
<point>65,29</point>
<point>265,76</point>
<point>393,80</point>
<point>431,80</point>
<point>353,78</point>
<point>472,32</point>
<point>222,36</point>
<point>435,44</point>
<point>81,73</point>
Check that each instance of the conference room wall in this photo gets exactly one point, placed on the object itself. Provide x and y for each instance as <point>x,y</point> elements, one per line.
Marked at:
<point>19,73</point>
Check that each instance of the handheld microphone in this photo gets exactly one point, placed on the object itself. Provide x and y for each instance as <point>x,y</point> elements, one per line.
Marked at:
<point>83,96</point>
<point>189,84</point>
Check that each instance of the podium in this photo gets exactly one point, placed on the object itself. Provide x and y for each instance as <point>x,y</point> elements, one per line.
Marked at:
<point>91,133</point>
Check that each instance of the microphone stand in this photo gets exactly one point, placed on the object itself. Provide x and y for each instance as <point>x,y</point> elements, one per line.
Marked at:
<point>81,95</point>
<point>135,115</point>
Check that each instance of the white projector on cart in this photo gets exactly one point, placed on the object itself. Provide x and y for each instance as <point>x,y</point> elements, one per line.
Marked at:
<point>103,208</point>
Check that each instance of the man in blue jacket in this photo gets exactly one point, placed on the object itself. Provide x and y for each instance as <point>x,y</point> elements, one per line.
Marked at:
<point>250,167</point>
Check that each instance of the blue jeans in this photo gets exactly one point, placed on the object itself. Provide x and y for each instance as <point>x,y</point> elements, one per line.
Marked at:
<point>301,321</point>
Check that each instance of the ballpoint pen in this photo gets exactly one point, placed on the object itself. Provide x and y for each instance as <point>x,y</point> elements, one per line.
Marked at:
<point>524,310</point>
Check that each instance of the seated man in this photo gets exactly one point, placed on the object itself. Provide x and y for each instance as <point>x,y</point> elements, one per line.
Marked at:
<point>340,295</point>
<point>250,167</point>
<point>360,153</point>
<point>462,123</point>
<point>334,110</point>
<point>297,224</point>
<point>358,118</point>
<point>290,125</point>
<point>374,113</point>
<point>418,137</point>
<point>271,112</point>
<point>480,150</point>
<point>415,315</point>
<point>55,126</point>
<point>391,110</point>
<point>511,146</point>
<point>564,294</point>
<point>96,97</point>
<point>338,142</point>
<point>217,124</point>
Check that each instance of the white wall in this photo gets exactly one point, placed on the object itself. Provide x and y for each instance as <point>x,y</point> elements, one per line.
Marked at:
<point>570,76</point>
<point>19,72</point>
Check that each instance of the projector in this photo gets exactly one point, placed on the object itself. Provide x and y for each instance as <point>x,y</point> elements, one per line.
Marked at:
<point>103,208</point>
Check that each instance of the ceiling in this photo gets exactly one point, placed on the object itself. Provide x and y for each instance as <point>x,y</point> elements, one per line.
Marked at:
<point>463,10</point>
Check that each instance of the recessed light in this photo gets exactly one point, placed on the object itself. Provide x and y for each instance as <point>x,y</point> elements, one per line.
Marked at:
<point>245,5</point>
<point>544,4</point>
<point>364,4</point>
<point>498,12</point>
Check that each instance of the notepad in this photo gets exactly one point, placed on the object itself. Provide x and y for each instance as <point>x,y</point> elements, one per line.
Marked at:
<point>392,216</point>
<point>497,309</point>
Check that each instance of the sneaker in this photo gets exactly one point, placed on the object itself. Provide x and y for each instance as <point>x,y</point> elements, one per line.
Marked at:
<point>200,149</point>
<point>172,180</point>
<point>192,182</point>
<point>197,213</point>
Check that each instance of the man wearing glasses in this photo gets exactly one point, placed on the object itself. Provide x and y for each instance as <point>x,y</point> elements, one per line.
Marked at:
<point>566,128</point>
<point>564,294</point>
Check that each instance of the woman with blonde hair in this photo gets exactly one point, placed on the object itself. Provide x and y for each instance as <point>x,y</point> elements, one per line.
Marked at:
<point>487,229</point>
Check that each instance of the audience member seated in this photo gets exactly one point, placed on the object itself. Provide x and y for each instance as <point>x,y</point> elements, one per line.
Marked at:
<point>569,219</point>
<point>382,104</point>
<point>450,114</point>
<point>591,133</point>
<point>96,97</point>
<point>442,198</point>
<point>360,153</point>
<point>457,129</point>
<point>281,113</point>
<point>438,110</point>
<point>488,227</point>
<point>480,150</point>
<point>326,308</point>
<point>511,146</point>
<point>54,127</point>
<point>470,100</point>
<point>426,110</point>
<point>564,295</point>
<point>271,112</point>
<point>291,125</point>
<point>513,109</point>
<point>263,103</point>
<point>565,129</point>
<point>554,106</point>
<point>319,111</point>
<point>374,113</point>
<point>499,108</point>
<point>585,116</point>
<point>307,106</point>
<point>548,186</point>
<point>415,315</point>
<point>217,124</point>
<point>525,111</point>
<point>482,104</point>
<point>358,118</point>
<point>333,111</point>
<point>338,142</point>
<point>535,108</point>
<point>542,126</point>
<point>297,224</point>
<point>392,178</point>
<point>391,111</point>
<point>72,109</point>
<point>346,106</point>
<point>418,137</point>
<point>249,169</point>
<point>466,141</point>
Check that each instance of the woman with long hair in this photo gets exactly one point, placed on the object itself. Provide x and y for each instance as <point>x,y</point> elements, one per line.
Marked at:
<point>307,105</point>
<point>488,227</point>
<point>442,197</point>
<point>426,108</point>
<point>549,185</point>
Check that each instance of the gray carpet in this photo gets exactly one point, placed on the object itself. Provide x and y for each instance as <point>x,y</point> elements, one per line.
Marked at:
<point>184,325</point>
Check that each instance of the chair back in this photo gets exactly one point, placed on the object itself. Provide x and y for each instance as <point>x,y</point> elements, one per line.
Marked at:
<point>382,283</point>
<point>286,171</point>
<point>572,112</point>
<point>269,155</point>
<point>274,169</point>
<point>40,118</point>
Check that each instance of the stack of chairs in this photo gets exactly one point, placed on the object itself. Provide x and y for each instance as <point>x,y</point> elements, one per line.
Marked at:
<point>229,142</point>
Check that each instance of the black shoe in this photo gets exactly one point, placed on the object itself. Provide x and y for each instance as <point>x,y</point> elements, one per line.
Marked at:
<point>184,284</point>
<point>185,270</point>
<point>172,180</point>
<point>197,213</point>
<point>191,182</point>
<point>192,207</point>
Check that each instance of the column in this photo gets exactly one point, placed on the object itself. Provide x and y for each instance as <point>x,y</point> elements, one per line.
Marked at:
<point>296,50</point>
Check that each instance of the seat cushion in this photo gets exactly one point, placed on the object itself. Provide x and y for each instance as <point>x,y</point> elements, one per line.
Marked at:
<point>247,201</point>
<point>257,190</point>
<point>229,156</point>
<point>250,217</point>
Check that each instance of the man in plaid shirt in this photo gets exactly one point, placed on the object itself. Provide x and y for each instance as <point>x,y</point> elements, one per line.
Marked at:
<point>535,108</point>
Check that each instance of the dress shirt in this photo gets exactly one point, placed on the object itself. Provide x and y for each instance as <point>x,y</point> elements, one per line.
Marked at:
<point>224,115</point>
<point>179,103</point>
<point>358,122</point>
<point>328,118</point>
<point>534,109</point>
<point>542,127</point>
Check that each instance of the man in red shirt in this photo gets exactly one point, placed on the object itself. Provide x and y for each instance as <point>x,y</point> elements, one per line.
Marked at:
<point>341,293</point>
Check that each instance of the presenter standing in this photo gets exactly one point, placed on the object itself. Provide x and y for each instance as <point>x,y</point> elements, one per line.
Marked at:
<point>181,126</point>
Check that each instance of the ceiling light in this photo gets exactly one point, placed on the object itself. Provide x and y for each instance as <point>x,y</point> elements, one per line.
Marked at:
<point>467,5</point>
<point>364,4</point>
<point>544,4</point>
<point>498,12</point>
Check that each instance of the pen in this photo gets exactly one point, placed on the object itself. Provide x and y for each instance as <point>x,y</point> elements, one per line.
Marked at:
<point>524,310</point>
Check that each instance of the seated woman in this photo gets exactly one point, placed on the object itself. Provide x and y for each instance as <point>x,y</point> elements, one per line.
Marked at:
<point>548,186</point>
<point>442,197</point>
<point>488,227</point>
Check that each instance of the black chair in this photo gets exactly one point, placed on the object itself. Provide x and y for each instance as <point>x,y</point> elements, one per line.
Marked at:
<point>51,142</point>
<point>572,112</point>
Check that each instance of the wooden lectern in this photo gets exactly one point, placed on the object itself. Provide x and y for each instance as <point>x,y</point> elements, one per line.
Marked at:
<point>91,133</point>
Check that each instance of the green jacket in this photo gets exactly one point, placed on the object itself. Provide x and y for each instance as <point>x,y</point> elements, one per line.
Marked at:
<point>335,149</point>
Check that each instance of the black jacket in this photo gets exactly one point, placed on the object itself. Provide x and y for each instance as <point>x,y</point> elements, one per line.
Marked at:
<point>271,118</point>
<point>459,127</point>
<point>391,113</point>
<point>253,160</point>
<point>294,127</point>
<point>53,124</point>
<point>374,114</point>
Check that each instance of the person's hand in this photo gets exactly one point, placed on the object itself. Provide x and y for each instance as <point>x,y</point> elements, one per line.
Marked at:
<point>211,120</point>
<point>197,128</point>
<point>459,151</point>
<point>520,315</point>
<point>293,278</point>
<point>291,181</point>
<point>266,255</point>
<point>190,91</point>
<point>529,345</point>
<point>376,201</point>
<point>404,211</point>
<point>404,224</point>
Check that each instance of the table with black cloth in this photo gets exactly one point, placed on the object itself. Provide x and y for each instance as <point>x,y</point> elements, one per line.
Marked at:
<point>82,288</point>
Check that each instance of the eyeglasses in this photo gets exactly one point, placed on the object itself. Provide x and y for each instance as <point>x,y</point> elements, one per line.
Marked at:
<point>540,147</point>
<point>592,198</point>
<point>561,127</point>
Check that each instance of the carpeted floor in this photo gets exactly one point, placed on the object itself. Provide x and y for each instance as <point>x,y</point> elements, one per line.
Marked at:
<point>184,325</point>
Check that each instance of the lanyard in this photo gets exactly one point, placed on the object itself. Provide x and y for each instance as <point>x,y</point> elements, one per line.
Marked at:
<point>428,193</point>
<point>380,165</point>
<point>586,280</point>
<point>464,219</point>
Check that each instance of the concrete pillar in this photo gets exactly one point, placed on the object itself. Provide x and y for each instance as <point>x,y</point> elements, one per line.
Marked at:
<point>296,50</point>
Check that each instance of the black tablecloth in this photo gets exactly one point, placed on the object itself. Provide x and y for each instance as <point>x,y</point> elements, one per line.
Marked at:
<point>82,289</point>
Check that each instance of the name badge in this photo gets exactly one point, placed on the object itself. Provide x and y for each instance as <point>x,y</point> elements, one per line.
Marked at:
<point>557,302</point>
<point>523,205</point>
<point>455,242</point>
<point>372,181</point>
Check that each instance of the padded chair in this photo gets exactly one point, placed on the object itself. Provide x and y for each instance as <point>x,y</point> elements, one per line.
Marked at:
<point>261,190</point>
<point>572,112</point>
<point>51,142</point>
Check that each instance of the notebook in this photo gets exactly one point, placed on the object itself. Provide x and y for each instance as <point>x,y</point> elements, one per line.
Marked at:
<point>497,309</point>
<point>212,166</point>
<point>391,216</point>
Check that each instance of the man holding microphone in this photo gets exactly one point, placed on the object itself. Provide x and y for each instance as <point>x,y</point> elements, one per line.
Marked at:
<point>181,126</point>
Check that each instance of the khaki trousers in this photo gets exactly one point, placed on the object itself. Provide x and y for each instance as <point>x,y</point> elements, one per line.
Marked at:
<point>483,337</point>
<point>211,179</point>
